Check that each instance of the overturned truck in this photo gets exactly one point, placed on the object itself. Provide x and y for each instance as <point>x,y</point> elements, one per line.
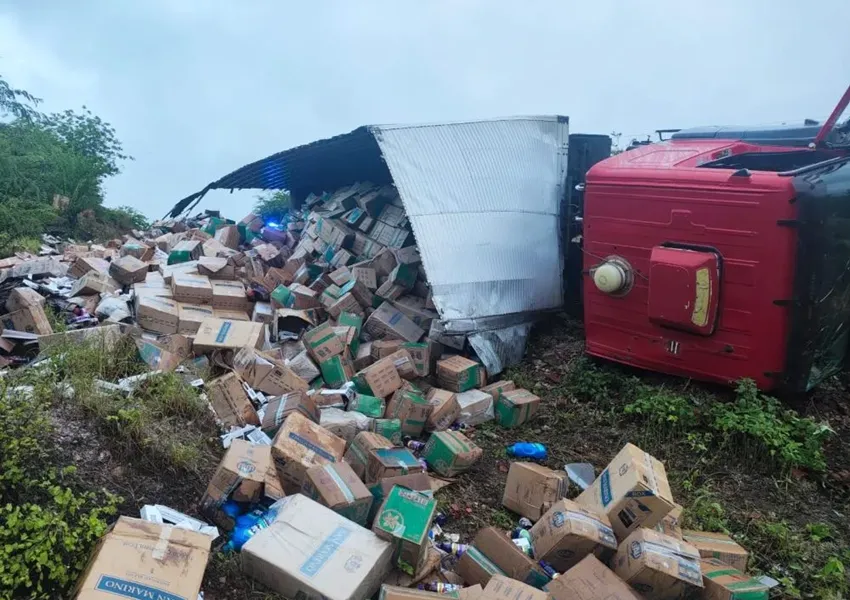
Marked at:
<point>481,201</point>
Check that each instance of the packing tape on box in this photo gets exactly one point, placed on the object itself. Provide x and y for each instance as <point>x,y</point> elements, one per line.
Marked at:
<point>161,547</point>
<point>688,565</point>
<point>343,487</point>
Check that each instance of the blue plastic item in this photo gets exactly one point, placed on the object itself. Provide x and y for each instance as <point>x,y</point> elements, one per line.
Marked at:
<point>246,526</point>
<point>528,450</point>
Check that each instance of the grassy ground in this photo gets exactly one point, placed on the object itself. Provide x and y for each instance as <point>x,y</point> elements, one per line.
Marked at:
<point>737,462</point>
<point>740,463</point>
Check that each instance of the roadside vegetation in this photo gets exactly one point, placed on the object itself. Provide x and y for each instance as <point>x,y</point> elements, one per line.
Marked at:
<point>52,170</point>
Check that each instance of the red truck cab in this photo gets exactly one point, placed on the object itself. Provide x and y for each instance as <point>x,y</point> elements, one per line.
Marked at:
<point>723,254</point>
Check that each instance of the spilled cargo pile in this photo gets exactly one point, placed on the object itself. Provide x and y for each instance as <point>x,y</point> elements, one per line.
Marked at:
<point>342,411</point>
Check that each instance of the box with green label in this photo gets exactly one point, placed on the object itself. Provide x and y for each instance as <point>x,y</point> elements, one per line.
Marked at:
<point>515,407</point>
<point>391,462</point>
<point>404,520</point>
<point>450,452</point>
<point>336,370</point>
<point>421,355</point>
<point>458,374</point>
<point>389,428</point>
<point>411,408</point>
<point>370,406</point>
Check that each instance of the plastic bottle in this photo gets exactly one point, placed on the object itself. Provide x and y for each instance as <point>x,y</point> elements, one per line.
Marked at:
<point>548,569</point>
<point>452,548</point>
<point>519,532</point>
<point>524,545</point>
<point>525,523</point>
<point>440,587</point>
<point>415,446</point>
<point>528,450</point>
<point>246,526</point>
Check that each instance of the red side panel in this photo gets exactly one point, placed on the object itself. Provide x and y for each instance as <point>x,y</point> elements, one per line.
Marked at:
<point>643,200</point>
<point>684,286</point>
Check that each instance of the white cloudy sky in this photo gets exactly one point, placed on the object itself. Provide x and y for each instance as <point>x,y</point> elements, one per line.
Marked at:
<point>197,88</point>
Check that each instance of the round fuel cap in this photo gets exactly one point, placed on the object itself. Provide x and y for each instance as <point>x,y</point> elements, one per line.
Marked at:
<point>609,277</point>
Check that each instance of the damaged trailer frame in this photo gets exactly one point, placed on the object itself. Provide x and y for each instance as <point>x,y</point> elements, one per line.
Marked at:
<point>484,201</point>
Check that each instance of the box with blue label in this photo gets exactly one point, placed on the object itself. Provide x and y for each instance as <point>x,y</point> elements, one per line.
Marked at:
<point>311,552</point>
<point>658,565</point>
<point>299,445</point>
<point>632,490</point>
<point>568,532</point>
<point>339,488</point>
<point>226,334</point>
<point>138,559</point>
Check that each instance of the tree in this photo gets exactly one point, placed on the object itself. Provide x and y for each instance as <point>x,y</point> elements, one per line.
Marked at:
<point>273,206</point>
<point>18,103</point>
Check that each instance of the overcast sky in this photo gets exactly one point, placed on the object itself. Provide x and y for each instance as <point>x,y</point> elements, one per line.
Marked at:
<point>198,88</point>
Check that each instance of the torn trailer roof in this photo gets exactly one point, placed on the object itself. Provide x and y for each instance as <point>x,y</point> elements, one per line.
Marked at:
<point>483,199</point>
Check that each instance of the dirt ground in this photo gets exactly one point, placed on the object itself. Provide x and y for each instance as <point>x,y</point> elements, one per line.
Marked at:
<point>573,431</point>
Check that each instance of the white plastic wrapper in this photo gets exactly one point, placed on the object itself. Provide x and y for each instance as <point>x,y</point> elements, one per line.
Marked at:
<point>112,308</point>
<point>476,407</point>
<point>344,424</point>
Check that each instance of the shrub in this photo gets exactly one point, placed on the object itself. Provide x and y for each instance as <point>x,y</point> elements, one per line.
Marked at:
<point>273,206</point>
<point>759,420</point>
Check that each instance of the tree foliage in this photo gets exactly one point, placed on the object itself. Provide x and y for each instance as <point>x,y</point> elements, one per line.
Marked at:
<point>67,154</point>
<point>273,206</point>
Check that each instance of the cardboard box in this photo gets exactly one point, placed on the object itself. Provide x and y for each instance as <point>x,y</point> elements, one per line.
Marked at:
<point>231,315</point>
<point>104,337</point>
<point>497,388</point>
<point>135,248</point>
<point>309,551</point>
<point>404,364</point>
<point>216,268</point>
<point>140,559</point>
<point>31,319</point>
<point>389,428</point>
<point>128,269</point>
<point>336,371</point>
<point>516,407</point>
<point>301,444</point>
<point>384,348</point>
<point>471,592</point>
<point>398,592</point>
<point>632,490</point>
<point>322,342</point>
<point>265,374</point>
<point>590,580</point>
<point>567,532</point>
<point>345,303</point>
<point>414,309</point>
<point>411,408</point>
<point>86,264</point>
<point>388,321</point>
<point>296,296</point>
<point>444,409</point>
<point>278,409</point>
<point>94,282</point>
<point>157,314</point>
<point>723,583</point>
<point>302,366</point>
<point>476,407</point>
<point>475,568</point>
<point>216,334</point>
<point>366,276</point>
<point>513,562</point>
<point>288,323</point>
<point>378,379</point>
<point>228,235</point>
<point>457,373</point>
<point>532,489</point>
<point>719,546</point>
<point>360,448</point>
<point>23,297</point>
<point>501,587</point>
<point>190,317</point>
<point>338,487</point>
<point>230,401</point>
<point>450,453</point>
<point>404,520</point>
<point>186,250</point>
<point>671,525</point>
<point>657,565</point>
<point>229,295</point>
<point>419,482</point>
<point>263,313</point>
<point>364,356</point>
<point>196,289</point>
<point>420,352</point>
<point>240,476</point>
<point>390,462</point>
